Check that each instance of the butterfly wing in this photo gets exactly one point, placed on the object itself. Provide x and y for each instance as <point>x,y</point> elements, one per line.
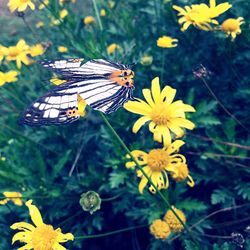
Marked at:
<point>76,68</point>
<point>59,106</point>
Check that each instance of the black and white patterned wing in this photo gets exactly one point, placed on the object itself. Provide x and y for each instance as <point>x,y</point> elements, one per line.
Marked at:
<point>76,68</point>
<point>59,106</point>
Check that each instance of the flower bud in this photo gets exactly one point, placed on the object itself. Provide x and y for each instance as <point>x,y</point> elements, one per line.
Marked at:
<point>90,201</point>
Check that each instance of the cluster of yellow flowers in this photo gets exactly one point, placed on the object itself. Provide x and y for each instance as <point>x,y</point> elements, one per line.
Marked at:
<point>167,120</point>
<point>203,17</point>
<point>161,229</point>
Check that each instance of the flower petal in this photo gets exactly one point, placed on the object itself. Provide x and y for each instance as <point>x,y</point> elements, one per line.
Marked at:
<point>138,107</point>
<point>22,237</point>
<point>156,90</point>
<point>174,147</point>
<point>57,246</point>
<point>166,136</point>
<point>28,246</point>
<point>22,226</point>
<point>168,94</point>
<point>34,213</point>
<point>147,95</point>
<point>64,237</point>
<point>183,123</point>
<point>142,184</point>
<point>190,181</point>
<point>141,156</point>
<point>139,123</point>
<point>176,129</point>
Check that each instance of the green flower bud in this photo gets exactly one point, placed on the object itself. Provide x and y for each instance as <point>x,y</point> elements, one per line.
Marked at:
<point>90,201</point>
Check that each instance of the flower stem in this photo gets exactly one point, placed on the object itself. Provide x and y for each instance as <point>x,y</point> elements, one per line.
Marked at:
<point>97,15</point>
<point>118,138</point>
<point>109,233</point>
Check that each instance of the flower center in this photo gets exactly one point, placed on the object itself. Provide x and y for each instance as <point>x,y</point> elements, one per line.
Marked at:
<point>157,159</point>
<point>230,25</point>
<point>24,1</point>
<point>13,52</point>
<point>160,115</point>
<point>44,237</point>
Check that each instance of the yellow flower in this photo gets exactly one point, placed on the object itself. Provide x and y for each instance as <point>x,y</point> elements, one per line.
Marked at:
<point>62,49</point>
<point>42,5</point>
<point>146,60</point>
<point>20,5</point>
<point>63,13</point>
<point>18,53</point>
<point>36,50</point>
<point>15,197</point>
<point>167,42</point>
<point>88,20</point>
<point>54,22</point>
<point>173,222</point>
<point>181,173</point>
<point>156,164</point>
<point>39,236</point>
<point>103,12</point>
<point>164,114</point>
<point>112,48</point>
<point>39,24</point>
<point>201,15</point>
<point>231,26</point>
<point>160,229</point>
<point>10,76</point>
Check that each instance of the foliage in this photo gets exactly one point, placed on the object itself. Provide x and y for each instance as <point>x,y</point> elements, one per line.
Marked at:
<point>54,165</point>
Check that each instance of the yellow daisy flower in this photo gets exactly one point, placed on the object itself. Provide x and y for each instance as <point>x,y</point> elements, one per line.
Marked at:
<point>163,114</point>
<point>10,76</point>
<point>18,53</point>
<point>39,235</point>
<point>167,42</point>
<point>172,220</point>
<point>103,12</point>
<point>201,15</point>
<point>62,49</point>
<point>112,48</point>
<point>88,20</point>
<point>15,197</point>
<point>63,13</point>
<point>160,229</point>
<point>36,50</point>
<point>231,26</point>
<point>20,5</point>
<point>156,165</point>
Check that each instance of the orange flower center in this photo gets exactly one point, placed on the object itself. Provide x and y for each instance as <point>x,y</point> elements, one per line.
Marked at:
<point>159,115</point>
<point>230,25</point>
<point>44,237</point>
<point>157,160</point>
<point>24,1</point>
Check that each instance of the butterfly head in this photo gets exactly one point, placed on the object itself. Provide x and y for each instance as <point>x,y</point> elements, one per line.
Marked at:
<point>123,77</point>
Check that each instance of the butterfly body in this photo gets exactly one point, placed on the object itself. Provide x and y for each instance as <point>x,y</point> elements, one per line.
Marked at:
<point>102,84</point>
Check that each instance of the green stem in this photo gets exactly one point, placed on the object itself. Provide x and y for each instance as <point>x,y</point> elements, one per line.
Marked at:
<point>97,15</point>
<point>109,233</point>
<point>111,198</point>
<point>147,177</point>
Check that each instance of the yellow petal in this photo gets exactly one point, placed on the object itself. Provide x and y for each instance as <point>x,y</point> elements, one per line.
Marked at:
<point>22,226</point>
<point>142,184</point>
<point>57,246</point>
<point>212,3</point>
<point>190,181</point>
<point>138,107</point>
<point>130,164</point>
<point>156,90</point>
<point>34,213</point>
<point>174,147</point>
<point>168,94</point>
<point>183,123</point>
<point>148,97</point>
<point>152,126</point>
<point>64,237</point>
<point>166,136</point>
<point>22,237</point>
<point>28,246</point>
<point>139,123</point>
<point>176,129</point>
<point>141,156</point>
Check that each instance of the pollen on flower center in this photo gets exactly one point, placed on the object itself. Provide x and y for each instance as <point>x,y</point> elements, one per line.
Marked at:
<point>157,159</point>
<point>24,1</point>
<point>44,237</point>
<point>160,115</point>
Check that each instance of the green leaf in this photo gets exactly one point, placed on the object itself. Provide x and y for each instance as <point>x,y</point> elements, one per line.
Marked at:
<point>191,205</point>
<point>116,179</point>
<point>219,196</point>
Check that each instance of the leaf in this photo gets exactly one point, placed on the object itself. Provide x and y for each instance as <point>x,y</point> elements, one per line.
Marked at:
<point>60,164</point>
<point>190,245</point>
<point>191,205</point>
<point>116,179</point>
<point>219,196</point>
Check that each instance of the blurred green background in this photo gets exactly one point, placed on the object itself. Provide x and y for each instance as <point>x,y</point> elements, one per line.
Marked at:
<point>36,161</point>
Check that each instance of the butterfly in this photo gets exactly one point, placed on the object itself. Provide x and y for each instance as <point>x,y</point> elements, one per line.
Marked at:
<point>102,84</point>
